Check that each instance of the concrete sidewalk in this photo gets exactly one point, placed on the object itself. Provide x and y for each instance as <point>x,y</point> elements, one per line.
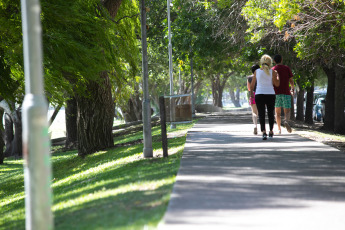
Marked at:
<point>232,179</point>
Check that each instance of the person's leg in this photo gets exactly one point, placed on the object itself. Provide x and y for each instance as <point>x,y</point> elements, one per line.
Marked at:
<point>270,111</point>
<point>278,118</point>
<point>255,118</point>
<point>260,104</point>
<point>287,109</point>
<point>278,109</point>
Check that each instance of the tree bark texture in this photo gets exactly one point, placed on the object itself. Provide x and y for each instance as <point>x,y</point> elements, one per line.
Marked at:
<point>71,112</point>
<point>217,89</point>
<point>96,112</point>
<point>133,110</point>
<point>112,6</point>
<point>339,118</point>
<point>13,135</point>
<point>95,117</point>
<point>9,134</point>
<point>2,143</point>
<point>309,106</point>
<point>330,99</point>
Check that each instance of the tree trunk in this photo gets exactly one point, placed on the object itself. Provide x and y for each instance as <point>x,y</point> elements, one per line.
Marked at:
<point>339,118</point>
<point>217,89</point>
<point>18,135</point>
<point>133,110</point>
<point>9,135</point>
<point>96,113</point>
<point>13,135</point>
<point>300,104</point>
<point>330,99</point>
<point>112,6</point>
<point>95,117</point>
<point>235,97</point>
<point>309,105</point>
<point>2,143</point>
<point>71,112</point>
<point>52,118</point>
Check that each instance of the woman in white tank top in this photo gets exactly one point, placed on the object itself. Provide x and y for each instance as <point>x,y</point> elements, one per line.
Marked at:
<point>265,96</point>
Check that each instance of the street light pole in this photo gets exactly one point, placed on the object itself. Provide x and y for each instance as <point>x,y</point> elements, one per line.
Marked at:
<point>36,145</point>
<point>192,86</point>
<point>170,69</point>
<point>148,152</point>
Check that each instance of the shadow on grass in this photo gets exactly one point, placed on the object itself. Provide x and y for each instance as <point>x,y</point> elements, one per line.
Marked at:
<point>113,189</point>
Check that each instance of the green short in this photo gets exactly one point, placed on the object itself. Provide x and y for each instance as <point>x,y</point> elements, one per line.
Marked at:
<point>283,100</point>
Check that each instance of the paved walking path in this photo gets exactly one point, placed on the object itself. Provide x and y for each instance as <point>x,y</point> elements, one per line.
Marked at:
<point>232,179</point>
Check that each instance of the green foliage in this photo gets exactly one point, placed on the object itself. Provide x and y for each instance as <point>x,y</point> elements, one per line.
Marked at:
<point>317,27</point>
<point>79,41</point>
<point>113,189</point>
<point>11,51</point>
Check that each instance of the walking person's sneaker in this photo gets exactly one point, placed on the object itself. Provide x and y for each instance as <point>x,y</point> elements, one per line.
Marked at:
<point>287,126</point>
<point>270,134</point>
<point>264,136</point>
<point>255,130</point>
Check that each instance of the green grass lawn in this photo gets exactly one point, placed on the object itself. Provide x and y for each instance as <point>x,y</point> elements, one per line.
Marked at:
<point>113,189</point>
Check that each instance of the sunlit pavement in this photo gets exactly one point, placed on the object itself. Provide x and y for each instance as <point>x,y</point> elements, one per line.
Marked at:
<point>231,179</point>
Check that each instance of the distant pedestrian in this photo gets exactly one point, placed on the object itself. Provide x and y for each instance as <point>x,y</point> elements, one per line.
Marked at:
<point>283,93</point>
<point>265,96</point>
<point>252,99</point>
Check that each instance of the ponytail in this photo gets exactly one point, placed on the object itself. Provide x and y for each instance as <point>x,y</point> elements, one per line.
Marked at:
<point>266,62</point>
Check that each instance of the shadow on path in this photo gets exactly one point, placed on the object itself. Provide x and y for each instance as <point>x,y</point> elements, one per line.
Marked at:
<point>231,179</point>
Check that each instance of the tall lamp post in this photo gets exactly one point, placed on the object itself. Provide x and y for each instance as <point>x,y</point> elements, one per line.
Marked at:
<point>170,68</point>
<point>36,145</point>
<point>148,152</point>
<point>192,86</point>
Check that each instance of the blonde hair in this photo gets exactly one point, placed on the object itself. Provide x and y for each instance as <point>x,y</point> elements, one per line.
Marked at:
<point>266,63</point>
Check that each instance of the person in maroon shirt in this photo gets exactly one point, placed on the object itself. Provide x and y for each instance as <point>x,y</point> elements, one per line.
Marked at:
<point>283,93</point>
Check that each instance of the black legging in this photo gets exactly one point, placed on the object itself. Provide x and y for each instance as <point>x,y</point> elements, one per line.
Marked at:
<point>261,101</point>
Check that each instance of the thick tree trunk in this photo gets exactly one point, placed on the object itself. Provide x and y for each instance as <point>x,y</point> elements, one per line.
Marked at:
<point>18,135</point>
<point>96,113</point>
<point>112,6</point>
<point>339,118</point>
<point>9,135</point>
<point>300,104</point>
<point>2,143</point>
<point>133,110</point>
<point>309,106</point>
<point>13,133</point>
<point>95,117</point>
<point>71,112</point>
<point>217,89</point>
<point>330,99</point>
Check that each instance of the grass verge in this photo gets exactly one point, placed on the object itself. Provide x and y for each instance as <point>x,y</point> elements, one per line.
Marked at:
<point>113,189</point>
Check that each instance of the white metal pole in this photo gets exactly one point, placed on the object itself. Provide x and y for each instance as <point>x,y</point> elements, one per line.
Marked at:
<point>192,86</point>
<point>148,152</point>
<point>172,101</point>
<point>36,145</point>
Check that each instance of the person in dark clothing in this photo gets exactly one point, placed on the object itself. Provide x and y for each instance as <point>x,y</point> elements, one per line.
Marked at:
<point>283,93</point>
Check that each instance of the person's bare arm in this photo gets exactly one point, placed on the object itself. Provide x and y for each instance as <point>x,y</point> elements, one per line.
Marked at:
<point>275,79</point>
<point>252,84</point>
<point>292,85</point>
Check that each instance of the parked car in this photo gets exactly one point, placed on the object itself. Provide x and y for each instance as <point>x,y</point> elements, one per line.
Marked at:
<point>318,109</point>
